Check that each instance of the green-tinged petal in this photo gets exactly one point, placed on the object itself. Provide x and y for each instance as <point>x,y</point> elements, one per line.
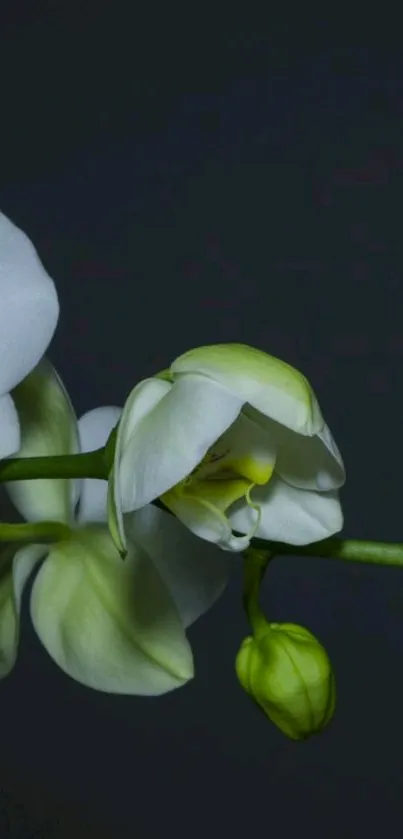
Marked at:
<point>194,571</point>
<point>206,520</point>
<point>97,497</point>
<point>169,430</point>
<point>115,516</point>
<point>48,427</point>
<point>16,566</point>
<point>305,462</point>
<point>111,625</point>
<point>268,384</point>
<point>164,374</point>
<point>140,403</point>
<point>9,620</point>
<point>10,427</point>
<point>291,515</point>
<point>94,428</point>
<point>143,399</point>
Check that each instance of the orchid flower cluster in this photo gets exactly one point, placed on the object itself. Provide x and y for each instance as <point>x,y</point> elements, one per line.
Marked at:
<point>133,517</point>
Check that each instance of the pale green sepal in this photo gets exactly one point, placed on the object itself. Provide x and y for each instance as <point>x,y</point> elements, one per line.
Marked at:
<point>115,517</point>
<point>16,565</point>
<point>48,427</point>
<point>270,385</point>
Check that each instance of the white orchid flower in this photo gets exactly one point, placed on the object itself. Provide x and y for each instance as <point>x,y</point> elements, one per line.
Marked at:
<point>230,439</point>
<point>113,625</point>
<point>29,312</point>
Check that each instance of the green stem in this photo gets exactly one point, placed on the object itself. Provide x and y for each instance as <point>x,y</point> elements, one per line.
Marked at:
<point>348,550</point>
<point>254,568</point>
<point>87,465</point>
<point>43,531</point>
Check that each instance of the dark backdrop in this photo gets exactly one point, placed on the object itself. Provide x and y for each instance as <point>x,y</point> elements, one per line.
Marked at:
<point>184,191</point>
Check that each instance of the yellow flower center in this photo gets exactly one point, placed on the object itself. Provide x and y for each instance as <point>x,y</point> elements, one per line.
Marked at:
<point>221,478</point>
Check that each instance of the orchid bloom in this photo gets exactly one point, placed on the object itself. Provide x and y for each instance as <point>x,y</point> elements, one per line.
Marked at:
<point>230,439</point>
<point>113,625</point>
<point>29,311</point>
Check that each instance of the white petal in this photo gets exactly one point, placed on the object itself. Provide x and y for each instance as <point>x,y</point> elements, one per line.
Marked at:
<point>111,625</point>
<point>305,462</point>
<point>291,515</point>
<point>94,428</point>
<point>16,566</point>
<point>10,427</point>
<point>169,440</point>
<point>48,427</point>
<point>29,308</point>
<point>310,462</point>
<point>140,402</point>
<point>265,382</point>
<point>194,571</point>
<point>96,425</point>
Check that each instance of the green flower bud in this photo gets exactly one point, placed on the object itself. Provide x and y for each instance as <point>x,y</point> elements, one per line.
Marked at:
<point>289,675</point>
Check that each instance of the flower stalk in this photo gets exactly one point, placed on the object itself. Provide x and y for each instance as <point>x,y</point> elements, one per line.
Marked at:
<point>254,569</point>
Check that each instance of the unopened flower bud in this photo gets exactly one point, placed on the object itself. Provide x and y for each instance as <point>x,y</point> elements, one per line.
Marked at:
<point>289,675</point>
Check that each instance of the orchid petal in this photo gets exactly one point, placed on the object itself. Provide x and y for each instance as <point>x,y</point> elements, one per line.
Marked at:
<point>304,462</point>
<point>10,438</point>
<point>111,625</point>
<point>310,462</point>
<point>29,308</point>
<point>291,515</point>
<point>195,571</point>
<point>170,428</point>
<point>48,427</point>
<point>245,450</point>
<point>94,428</point>
<point>16,566</point>
<point>270,385</point>
<point>142,399</point>
<point>205,520</point>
